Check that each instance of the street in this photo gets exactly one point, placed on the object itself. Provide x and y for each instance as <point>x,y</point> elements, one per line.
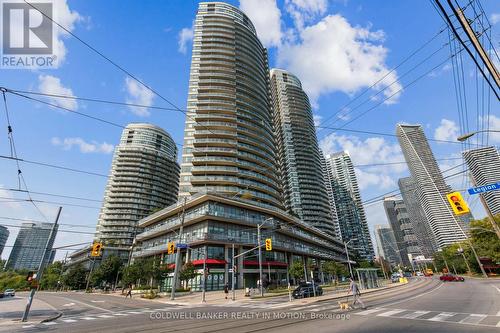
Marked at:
<point>424,305</point>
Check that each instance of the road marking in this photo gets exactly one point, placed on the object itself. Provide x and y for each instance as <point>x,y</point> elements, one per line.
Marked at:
<point>323,308</point>
<point>420,295</point>
<point>389,313</point>
<point>120,314</point>
<point>97,301</point>
<point>367,312</point>
<point>105,316</point>
<point>442,316</point>
<point>50,323</point>
<point>145,311</point>
<point>28,326</point>
<point>88,318</point>
<point>416,314</point>
<point>498,289</point>
<point>134,312</point>
<point>69,304</point>
<point>68,320</point>
<point>473,318</point>
<point>498,324</point>
<point>86,304</point>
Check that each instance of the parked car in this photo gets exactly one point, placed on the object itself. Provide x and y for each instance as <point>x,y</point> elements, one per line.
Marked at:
<point>306,290</point>
<point>9,292</point>
<point>395,277</point>
<point>420,273</point>
<point>1,295</point>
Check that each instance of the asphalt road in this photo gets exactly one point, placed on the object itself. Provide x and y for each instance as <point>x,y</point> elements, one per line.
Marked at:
<point>422,306</point>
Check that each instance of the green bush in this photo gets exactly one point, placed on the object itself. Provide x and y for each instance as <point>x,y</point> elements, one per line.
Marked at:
<point>14,280</point>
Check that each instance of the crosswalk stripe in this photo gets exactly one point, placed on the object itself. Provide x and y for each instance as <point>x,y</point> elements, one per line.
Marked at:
<point>68,320</point>
<point>415,314</point>
<point>367,312</point>
<point>105,316</point>
<point>28,326</point>
<point>498,324</point>
<point>389,313</point>
<point>327,307</point>
<point>120,314</point>
<point>442,316</point>
<point>50,323</point>
<point>473,318</point>
<point>134,312</point>
<point>88,318</point>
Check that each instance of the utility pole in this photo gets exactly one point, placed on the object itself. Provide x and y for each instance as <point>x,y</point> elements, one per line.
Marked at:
<point>461,251</point>
<point>178,253</point>
<point>41,267</point>
<point>348,260</point>
<point>232,276</point>
<point>260,260</point>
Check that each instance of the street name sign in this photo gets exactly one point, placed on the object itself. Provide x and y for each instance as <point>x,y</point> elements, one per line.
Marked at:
<point>484,188</point>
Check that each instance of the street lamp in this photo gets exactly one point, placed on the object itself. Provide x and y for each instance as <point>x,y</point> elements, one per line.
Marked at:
<point>260,253</point>
<point>466,136</point>
<point>348,260</point>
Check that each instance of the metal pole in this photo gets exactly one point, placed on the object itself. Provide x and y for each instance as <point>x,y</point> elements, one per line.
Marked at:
<point>90,273</point>
<point>233,276</point>
<point>288,277</point>
<point>178,253</point>
<point>477,259</point>
<point>490,216</point>
<point>41,267</point>
<point>203,300</point>
<point>260,260</point>
<point>465,260</point>
<point>348,260</point>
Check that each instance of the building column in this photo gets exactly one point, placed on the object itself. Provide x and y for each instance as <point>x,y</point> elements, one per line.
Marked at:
<point>226,266</point>
<point>239,263</point>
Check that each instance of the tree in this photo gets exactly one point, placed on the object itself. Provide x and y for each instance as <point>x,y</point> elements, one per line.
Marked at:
<point>296,270</point>
<point>187,273</point>
<point>3,262</point>
<point>335,269</point>
<point>484,239</point>
<point>75,277</point>
<point>107,271</point>
<point>51,276</point>
<point>131,273</point>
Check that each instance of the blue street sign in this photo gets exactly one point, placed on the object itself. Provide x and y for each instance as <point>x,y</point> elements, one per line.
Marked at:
<point>181,245</point>
<point>484,188</point>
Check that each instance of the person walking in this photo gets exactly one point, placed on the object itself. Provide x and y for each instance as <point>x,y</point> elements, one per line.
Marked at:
<point>129,292</point>
<point>226,290</point>
<point>356,294</point>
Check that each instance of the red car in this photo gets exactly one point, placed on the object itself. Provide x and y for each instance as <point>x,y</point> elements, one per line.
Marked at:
<point>451,277</point>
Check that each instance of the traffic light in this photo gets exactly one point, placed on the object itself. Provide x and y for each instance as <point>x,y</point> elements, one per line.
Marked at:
<point>457,203</point>
<point>170,247</point>
<point>269,244</point>
<point>96,250</point>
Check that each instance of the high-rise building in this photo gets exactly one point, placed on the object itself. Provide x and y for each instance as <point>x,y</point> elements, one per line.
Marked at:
<point>431,187</point>
<point>399,220</point>
<point>144,177</point>
<point>344,193</point>
<point>386,245</point>
<point>229,143</point>
<point>304,190</point>
<point>30,245</point>
<point>421,227</point>
<point>4,235</point>
<point>329,192</point>
<point>484,167</point>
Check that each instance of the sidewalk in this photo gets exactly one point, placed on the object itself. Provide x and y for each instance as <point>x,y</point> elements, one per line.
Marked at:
<point>12,308</point>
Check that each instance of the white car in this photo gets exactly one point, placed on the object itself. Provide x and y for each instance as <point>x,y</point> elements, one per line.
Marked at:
<point>9,292</point>
<point>420,274</point>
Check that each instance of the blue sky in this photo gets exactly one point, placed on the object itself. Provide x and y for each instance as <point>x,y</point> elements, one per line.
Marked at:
<point>337,48</point>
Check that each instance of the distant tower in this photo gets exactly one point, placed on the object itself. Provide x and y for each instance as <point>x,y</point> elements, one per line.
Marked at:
<point>484,166</point>
<point>399,220</point>
<point>350,212</point>
<point>4,235</point>
<point>30,244</point>
<point>421,227</point>
<point>144,176</point>
<point>229,144</point>
<point>386,244</point>
<point>303,184</point>
<point>432,189</point>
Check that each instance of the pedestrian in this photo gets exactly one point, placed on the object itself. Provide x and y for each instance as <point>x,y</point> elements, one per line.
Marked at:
<point>226,290</point>
<point>129,292</point>
<point>356,294</point>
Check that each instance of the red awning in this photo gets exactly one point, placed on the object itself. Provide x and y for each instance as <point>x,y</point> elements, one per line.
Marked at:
<point>210,261</point>
<point>265,263</point>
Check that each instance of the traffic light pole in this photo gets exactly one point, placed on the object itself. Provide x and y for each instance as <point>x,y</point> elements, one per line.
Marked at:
<point>41,267</point>
<point>178,253</point>
<point>260,260</point>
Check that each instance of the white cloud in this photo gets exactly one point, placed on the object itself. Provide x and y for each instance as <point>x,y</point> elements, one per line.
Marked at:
<point>447,131</point>
<point>494,124</point>
<point>303,11</point>
<point>8,199</point>
<point>85,147</point>
<point>138,94</point>
<point>333,55</point>
<point>185,37</point>
<point>369,151</point>
<point>317,119</point>
<point>495,18</point>
<point>48,84</point>
<point>266,17</point>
